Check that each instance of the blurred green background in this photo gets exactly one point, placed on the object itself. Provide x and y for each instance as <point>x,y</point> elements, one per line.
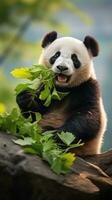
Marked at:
<point>24,22</point>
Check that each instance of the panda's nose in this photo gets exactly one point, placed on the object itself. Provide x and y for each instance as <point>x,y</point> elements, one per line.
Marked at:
<point>62,68</point>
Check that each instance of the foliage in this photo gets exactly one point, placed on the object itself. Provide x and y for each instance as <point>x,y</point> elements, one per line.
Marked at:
<point>2,108</point>
<point>7,98</point>
<point>38,75</point>
<point>33,141</point>
<point>30,135</point>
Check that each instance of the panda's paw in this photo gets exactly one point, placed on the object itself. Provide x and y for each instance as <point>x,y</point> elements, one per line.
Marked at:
<point>53,120</point>
<point>24,99</point>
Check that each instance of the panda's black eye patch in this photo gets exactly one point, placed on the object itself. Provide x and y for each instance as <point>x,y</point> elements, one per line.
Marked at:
<point>54,57</point>
<point>76,61</point>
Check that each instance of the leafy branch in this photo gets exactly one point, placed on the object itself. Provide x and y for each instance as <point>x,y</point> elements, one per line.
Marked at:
<point>38,75</point>
<point>34,141</point>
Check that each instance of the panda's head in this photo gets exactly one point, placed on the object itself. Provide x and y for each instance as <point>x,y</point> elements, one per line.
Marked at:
<point>70,59</point>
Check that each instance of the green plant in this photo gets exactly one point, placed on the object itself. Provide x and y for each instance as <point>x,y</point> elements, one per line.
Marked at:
<point>34,141</point>
<point>38,75</point>
<point>7,98</point>
<point>30,135</point>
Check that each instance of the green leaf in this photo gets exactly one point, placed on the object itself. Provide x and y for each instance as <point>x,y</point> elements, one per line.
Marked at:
<point>14,114</point>
<point>10,125</point>
<point>38,147</point>
<point>30,150</point>
<point>57,165</point>
<point>72,146</point>
<point>48,101</point>
<point>66,137</point>
<point>24,142</point>
<point>47,135</point>
<point>34,84</point>
<point>62,163</point>
<point>51,155</point>
<point>55,95</point>
<point>36,68</point>
<point>21,87</point>
<point>48,145</point>
<point>22,72</point>
<point>44,94</point>
<point>47,156</point>
<point>68,159</point>
<point>38,117</point>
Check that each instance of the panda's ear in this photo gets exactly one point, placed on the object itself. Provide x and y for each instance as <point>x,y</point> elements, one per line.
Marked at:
<point>49,38</point>
<point>92,45</point>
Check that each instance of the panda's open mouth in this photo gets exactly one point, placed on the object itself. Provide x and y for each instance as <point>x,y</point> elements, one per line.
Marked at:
<point>61,78</point>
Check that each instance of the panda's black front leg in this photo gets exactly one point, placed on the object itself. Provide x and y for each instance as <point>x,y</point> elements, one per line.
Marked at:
<point>29,105</point>
<point>84,125</point>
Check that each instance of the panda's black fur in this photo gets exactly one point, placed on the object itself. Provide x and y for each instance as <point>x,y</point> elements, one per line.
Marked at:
<point>79,112</point>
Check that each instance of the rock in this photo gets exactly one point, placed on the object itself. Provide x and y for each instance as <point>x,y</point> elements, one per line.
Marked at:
<point>25,177</point>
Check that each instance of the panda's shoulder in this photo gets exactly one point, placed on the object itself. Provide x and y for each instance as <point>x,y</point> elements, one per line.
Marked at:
<point>93,82</point>
<point>88,91</point>
<point>91,86</point>
<point>95,86</point>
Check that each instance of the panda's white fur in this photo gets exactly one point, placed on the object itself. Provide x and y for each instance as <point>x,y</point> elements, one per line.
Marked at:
<point>68,46</point>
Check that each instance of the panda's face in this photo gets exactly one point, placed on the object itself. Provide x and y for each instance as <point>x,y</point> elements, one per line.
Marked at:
<point>70,61</point>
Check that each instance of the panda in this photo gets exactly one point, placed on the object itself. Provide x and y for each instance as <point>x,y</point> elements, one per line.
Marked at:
<point>81,112</point>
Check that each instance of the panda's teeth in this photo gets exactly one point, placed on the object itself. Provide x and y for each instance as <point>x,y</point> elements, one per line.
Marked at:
<point>62,78</point>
